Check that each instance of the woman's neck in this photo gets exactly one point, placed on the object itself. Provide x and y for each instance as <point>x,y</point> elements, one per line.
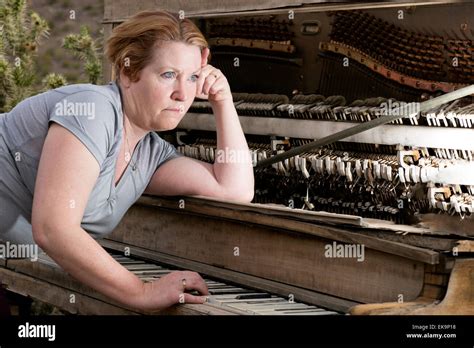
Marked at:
<point>133,132</point>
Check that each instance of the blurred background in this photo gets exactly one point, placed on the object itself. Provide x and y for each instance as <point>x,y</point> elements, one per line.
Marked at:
<point>52,57</point>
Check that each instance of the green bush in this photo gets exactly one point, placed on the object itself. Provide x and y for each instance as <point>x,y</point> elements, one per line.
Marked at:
<point>21,32</point>
<point>53,80</point>
<point>83,46</point>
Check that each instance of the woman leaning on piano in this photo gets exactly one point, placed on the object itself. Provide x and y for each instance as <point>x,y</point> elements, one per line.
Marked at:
<point>74,159</point>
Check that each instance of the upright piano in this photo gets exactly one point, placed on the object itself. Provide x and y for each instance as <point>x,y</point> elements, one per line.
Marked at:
<point>376,223</point>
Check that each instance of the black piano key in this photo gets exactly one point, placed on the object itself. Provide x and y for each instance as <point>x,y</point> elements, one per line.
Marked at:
<point>253,296</point>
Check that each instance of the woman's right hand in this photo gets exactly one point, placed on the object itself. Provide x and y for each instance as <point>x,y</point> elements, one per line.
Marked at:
<point>174,288</point>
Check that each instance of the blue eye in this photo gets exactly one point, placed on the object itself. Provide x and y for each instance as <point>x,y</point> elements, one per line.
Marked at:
<point>169,75</point>
<point>194,78</point>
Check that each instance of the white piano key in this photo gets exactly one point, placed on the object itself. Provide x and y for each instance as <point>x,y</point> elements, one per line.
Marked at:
<point>142,267</point>
<point>231,296</point>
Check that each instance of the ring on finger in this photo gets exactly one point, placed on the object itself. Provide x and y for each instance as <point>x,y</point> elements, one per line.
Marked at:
<point>183,281</point>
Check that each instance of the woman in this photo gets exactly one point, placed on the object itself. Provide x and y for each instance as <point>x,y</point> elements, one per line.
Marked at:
<point>73,160</point>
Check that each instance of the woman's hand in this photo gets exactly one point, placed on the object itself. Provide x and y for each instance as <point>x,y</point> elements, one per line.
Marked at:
<point>212,84</point>
<point>174,288</point>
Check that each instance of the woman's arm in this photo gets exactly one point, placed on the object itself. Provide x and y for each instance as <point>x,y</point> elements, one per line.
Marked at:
<point>66,175</point>
<point>231,175</point>
<point>233,164</point>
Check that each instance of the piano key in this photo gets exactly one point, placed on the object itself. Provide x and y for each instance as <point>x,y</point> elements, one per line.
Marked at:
<point>152,272</point>
<point>275,307</point>
<point>324,312</point>
<point>230,296</point>
<point>142,267</point>
<point>252,296</point>
<point>268,300</point>
<point>237,291</point>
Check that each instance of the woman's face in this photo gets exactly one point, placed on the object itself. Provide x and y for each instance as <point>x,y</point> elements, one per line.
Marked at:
<point>166,87</point>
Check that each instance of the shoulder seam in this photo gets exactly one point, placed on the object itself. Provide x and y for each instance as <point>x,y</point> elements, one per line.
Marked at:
<point>109,97</point>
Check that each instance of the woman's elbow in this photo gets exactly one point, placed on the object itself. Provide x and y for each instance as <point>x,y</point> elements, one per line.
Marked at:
<point>43,234</point>
<point>39,235</point>
<point>241,195</point>
<point>247,197</point>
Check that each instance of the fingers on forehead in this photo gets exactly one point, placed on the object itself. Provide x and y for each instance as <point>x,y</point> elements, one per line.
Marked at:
<point>208,68</point>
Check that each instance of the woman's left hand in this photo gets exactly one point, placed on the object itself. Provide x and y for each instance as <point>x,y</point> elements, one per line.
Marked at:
<point>212,84</point>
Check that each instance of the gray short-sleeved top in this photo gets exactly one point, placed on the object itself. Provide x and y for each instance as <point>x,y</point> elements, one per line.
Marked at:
<point>94,115</point>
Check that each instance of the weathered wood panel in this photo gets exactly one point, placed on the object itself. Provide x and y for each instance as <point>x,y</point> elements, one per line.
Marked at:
<point>116,9</point>
<point>459,299</point>
<point>229,276</point>
<point>57,295</point>
<point>293,220</point>
<point>286,257</point>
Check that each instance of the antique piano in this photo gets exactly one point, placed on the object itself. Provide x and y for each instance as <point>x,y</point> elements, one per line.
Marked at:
<point>376,223</point>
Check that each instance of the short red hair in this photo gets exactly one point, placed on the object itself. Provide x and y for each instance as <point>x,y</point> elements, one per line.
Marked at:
<point>131,46</point>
